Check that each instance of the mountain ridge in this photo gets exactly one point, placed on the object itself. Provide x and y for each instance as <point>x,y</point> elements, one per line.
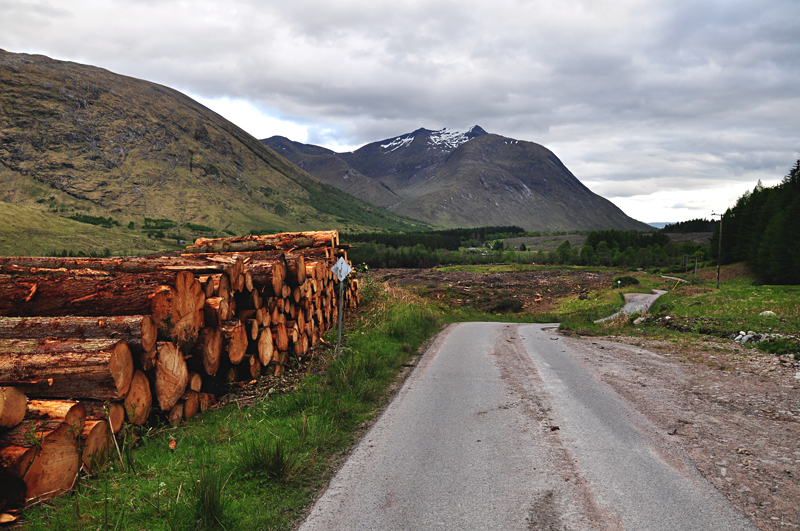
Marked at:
<point>455,179</point>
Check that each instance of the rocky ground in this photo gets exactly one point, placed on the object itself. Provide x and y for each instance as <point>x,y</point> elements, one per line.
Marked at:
<point>733,410</point>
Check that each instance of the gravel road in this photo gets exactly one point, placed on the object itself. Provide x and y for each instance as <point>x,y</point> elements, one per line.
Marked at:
<point>505,427</point>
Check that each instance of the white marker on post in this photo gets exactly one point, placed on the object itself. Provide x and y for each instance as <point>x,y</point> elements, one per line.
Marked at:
<point>341,269</point>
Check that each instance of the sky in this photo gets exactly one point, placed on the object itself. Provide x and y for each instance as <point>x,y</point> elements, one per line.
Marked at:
<point>671,109</point>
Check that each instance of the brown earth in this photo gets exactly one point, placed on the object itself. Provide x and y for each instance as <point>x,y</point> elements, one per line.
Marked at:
<point>532,291</point>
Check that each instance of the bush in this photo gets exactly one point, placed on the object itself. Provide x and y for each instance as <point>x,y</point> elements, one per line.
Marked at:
<point>625,281</point>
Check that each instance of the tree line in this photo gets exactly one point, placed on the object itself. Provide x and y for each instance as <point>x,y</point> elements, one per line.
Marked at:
<point>762,229</point>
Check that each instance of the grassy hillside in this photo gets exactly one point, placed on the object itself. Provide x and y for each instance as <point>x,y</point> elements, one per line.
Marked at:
<point>76,139</point>
<point>31,231</point>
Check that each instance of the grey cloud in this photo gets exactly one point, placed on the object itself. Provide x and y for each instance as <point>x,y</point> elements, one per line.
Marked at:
<point>638,95</point>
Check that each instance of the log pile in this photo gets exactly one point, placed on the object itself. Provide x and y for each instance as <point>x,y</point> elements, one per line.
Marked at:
<point>96,342</point>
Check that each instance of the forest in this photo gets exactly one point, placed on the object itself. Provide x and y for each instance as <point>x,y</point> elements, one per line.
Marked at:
<point>762,229</point>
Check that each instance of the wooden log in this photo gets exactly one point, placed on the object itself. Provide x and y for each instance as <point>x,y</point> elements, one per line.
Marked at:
<point>98,369</point>
<point>234,335</point>
<point>137,330</point>
<point>69,411</point>
<point>73,294</point>
<point>139,399</point>
<point>178,311</point>
<point>295,269</point>
<point>113,412</point>
<point>265,346</point>
<point>206,401</point>
<point>209,349</point>
<point>268,277</point>
<point>175,415</point>
<point>47,458</point>
<point>172,376</point>
<point>215,311</point>
<point>252,365</point>
<point>301,345</point>
<point>48,265</point>
<point>191,404</point>
<point>95,444</point>
<point>286,241</point>
<point>195,381</point>
<point>13,406</point>
<point>280,336</point>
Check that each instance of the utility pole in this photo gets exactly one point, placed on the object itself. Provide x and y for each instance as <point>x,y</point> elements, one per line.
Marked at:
<point>719,248</point>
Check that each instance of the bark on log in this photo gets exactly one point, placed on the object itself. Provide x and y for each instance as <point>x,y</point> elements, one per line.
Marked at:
<point>171,376</point>
<point>286,241</point>
<point>48,466</point>
<point>13,406</point>
<point>98,369</point>
<point>69,411</point>
<point>113,412</point>
<point>40,265</point>
<point>71,294</point>
<point>215,311</point>
<point>95,444</point>
<point>139,399</point>
<point>137,330</point>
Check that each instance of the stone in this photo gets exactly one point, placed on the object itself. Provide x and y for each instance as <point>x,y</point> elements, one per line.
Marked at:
<point>767,313</point>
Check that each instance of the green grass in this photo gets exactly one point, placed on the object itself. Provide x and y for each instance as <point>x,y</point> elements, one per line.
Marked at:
<point>258,466</point>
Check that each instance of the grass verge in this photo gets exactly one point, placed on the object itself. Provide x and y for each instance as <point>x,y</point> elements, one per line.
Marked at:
<point>255,463</point>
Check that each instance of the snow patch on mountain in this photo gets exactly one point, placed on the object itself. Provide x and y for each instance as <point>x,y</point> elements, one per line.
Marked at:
<point>448,138</point>
<point>397,143</point>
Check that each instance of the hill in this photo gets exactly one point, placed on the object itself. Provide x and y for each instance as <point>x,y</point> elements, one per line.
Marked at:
<point>76,139</point>
<point>470,179</point>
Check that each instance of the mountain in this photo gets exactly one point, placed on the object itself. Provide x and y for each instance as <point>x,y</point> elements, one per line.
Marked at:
<point>80,141</point>
<point>461,179</point>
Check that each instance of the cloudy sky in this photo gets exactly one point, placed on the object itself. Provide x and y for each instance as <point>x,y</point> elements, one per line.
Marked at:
<point>669,108</point>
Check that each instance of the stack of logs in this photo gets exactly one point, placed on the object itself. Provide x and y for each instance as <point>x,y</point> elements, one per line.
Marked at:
<point>87,344</point>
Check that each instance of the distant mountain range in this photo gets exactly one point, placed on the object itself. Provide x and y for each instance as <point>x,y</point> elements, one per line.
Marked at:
<point>76,140</point>
<point>462,179</point>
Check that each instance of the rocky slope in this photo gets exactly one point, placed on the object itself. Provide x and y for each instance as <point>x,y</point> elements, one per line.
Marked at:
<point>456,179</point>
<point>80,139</point>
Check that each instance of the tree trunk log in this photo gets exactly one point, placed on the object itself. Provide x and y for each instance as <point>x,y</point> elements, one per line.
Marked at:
<point>13,406</point>
<point>137,330</point>
<point>175,415</point>
<point>69,411</point>
<point>286,241</point>
<point>113,412</point>
<point>209,349</point>
<point>178,311</point>
<point>48,465</point>
<point>95,444</point>
<point>171,376</point>
<point>139,399</point>
<point>191,404</point>
<point>235,341</point>
<point>98,369</point>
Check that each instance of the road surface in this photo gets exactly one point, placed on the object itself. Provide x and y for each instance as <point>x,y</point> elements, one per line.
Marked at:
<point>635,302</point>
<point>501,427</point>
